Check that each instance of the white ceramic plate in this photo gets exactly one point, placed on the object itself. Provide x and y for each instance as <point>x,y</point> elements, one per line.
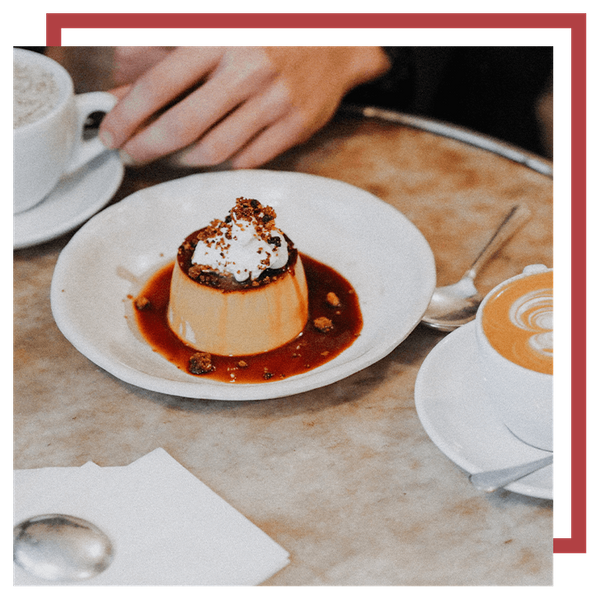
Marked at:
<point>369,242</point>
<point>454,411</point>
<point>74,200</point>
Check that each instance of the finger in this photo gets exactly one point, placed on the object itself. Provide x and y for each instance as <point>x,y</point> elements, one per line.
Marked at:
<point>179,71</point>
<point>236,130</point>
<point>193,116</point>
<point>120,92</point>
<point>271,142</point>
<point>294,128</point>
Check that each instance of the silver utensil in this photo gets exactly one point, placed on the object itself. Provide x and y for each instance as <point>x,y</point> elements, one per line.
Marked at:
<point>454,305</point>
<point>58,547</point>
<point>490,481</point>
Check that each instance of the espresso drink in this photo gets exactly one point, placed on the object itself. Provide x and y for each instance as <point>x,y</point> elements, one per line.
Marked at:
<point>517,321</point>
<point>35,93</point>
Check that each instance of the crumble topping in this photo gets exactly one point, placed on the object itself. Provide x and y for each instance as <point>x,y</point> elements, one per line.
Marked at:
<point>201,362</point>
<point>142,303</point>
<point>323,324</point>
<point>333,300</point>
<point>243,245</point>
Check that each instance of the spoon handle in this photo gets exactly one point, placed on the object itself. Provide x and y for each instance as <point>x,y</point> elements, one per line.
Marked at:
<point>517,217</point>
<point>489,481</point>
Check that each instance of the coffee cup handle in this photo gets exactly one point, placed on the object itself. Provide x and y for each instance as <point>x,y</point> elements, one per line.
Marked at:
<point>86,150</point>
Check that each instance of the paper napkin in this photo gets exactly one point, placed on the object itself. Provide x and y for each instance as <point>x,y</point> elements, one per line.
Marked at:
<point>166,526</point>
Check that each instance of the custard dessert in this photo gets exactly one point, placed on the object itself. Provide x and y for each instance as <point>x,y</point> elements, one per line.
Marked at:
<point>238,285</point>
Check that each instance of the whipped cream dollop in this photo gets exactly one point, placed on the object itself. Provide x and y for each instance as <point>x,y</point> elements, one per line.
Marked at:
<point>244,244</point>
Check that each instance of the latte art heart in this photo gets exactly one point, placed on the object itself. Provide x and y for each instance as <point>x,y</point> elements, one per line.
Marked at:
<point>533,312</point>
<point>518,322</point>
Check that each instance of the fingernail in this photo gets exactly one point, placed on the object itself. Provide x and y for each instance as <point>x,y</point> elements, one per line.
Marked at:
<point>126,159</point>
<point>107,139</point>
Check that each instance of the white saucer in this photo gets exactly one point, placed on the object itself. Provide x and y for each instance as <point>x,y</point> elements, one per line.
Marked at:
<point>381,253</point>
<point>74,200</point>
<point>453,409</point>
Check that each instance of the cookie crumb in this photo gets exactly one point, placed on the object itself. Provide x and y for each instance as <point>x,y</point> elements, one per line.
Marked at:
<point>200,363</point>
<point>333,300</point>
<point>242,364</point>
<point>142,303</point>
<point>323,324</point>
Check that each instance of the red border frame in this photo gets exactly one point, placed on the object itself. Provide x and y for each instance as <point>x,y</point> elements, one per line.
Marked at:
<point>576,22</point>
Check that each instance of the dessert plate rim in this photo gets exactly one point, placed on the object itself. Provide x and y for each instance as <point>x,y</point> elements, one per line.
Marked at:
<point>131,239</point>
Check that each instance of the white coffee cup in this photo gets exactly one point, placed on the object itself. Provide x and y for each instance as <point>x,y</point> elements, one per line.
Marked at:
<point>52,146</point>
<point>514,340</point>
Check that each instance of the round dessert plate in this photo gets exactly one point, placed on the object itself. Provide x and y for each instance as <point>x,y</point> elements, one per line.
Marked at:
<point>456,414</point>
<point>111,257</point>
<point>72,202</point>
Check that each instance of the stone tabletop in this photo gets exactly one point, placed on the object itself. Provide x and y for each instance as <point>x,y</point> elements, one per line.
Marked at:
<point>344,477</point>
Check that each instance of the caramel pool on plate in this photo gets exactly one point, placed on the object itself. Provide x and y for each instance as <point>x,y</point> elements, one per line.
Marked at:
<point>240,291</point>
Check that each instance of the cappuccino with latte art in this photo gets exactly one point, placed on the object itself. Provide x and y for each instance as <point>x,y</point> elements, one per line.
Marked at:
<point>514,329</point>
<point>517,321</point>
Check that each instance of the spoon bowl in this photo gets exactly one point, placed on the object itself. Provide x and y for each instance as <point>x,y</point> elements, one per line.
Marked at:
<point>58,547</point>
<point>454,305</point>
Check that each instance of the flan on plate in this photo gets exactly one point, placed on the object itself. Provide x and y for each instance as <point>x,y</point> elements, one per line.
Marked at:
<point>238,285</point>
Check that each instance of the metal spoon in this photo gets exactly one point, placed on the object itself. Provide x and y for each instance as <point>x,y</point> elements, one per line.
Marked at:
<point>490,481</point>
<point>454,305</point>
<point>61,548</point>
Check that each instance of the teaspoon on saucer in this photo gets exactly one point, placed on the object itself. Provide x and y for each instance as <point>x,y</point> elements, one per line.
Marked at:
<point>454,305</point>
<point>58,547</point>
<point>490,481</point>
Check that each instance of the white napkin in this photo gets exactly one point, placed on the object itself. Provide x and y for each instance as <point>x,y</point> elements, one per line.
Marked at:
<point>166,526</point>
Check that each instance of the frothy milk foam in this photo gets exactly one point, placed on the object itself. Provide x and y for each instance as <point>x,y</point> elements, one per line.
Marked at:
<point>518,322</point>
<point>35,93</point>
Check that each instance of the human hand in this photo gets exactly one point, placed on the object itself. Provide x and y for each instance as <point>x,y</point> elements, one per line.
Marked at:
<point>246,104</point>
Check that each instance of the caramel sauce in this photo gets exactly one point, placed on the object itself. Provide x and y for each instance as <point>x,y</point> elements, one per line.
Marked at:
<point>309,350</point>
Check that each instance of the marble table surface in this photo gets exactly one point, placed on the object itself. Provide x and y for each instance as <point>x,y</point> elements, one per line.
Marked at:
<point>344,477</point>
